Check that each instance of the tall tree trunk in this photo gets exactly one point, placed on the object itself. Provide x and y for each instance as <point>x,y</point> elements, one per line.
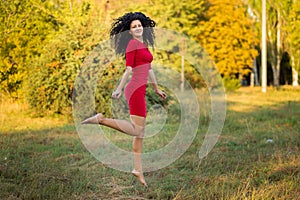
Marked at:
<point>295,73</point>
<point>264,48</point>
<point>254,80</point>
<point>278,53</point>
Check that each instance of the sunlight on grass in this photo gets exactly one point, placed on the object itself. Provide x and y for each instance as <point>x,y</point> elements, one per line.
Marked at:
<point>16,117</point>
<point>251,99</point>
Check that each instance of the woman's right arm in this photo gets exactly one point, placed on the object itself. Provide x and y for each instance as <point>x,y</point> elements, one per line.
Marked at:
<point>130,57</point>
<point>118,92</point>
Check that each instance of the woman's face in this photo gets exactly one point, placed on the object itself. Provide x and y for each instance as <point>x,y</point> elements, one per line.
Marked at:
<point>136,29</point>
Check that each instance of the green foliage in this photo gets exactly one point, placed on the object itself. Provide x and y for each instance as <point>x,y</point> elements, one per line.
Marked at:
<point>51,79</point>
<point>110,77</point>
<point>293,36</point>
<point>231,84</point>
<point>44,43</point>
<point>24,29</point>
<point>182,17</point>
<point>289,28</point>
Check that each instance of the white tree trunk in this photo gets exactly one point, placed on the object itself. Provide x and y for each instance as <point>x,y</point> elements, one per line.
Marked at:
<point>254,80</point>
<point>295,73</point>
<point>278,59</point>
<point>264,48</point>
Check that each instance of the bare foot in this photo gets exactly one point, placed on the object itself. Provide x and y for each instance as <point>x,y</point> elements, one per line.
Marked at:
<point>94,119</point>
<point>140,176</point>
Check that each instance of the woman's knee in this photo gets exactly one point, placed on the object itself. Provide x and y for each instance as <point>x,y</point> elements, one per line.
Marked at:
<point>139,131</point>
<point>141,134</point>
<point>139,125</point>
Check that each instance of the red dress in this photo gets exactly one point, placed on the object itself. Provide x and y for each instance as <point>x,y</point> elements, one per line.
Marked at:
<point>139,58</point>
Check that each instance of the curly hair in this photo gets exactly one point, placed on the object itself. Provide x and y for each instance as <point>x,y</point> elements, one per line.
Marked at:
<point>119,32</point>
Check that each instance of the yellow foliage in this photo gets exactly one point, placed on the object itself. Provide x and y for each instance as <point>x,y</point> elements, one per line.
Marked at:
<point>228,37</point>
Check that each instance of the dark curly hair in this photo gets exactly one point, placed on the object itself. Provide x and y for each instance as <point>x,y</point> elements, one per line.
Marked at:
<point>119,32</point>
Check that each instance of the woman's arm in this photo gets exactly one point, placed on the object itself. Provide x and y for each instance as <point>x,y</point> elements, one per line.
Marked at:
<point>118,92</point>
<point>154,85</point>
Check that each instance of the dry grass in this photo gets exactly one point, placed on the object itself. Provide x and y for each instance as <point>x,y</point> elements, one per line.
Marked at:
<point>43,158</point>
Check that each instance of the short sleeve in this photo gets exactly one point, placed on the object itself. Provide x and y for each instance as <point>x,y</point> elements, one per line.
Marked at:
<point>130,53</point>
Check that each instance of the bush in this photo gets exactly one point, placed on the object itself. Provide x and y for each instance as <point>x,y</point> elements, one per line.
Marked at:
<point>231,84</point>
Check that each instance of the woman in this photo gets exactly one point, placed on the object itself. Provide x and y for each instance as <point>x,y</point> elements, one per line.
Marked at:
<point>132,34</point>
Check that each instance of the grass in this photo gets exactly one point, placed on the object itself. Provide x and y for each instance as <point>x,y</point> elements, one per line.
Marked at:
<point>256,157</point>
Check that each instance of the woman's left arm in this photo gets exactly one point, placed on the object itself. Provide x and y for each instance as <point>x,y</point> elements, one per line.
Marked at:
<point>155,86</point>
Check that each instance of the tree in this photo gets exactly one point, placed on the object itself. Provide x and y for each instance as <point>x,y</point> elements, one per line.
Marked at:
<point>229,38</point>
<point>23,32</point>
<point>278,31</point>
<point>278,11</point>
<point>293,39</point>
<point>51,79</point>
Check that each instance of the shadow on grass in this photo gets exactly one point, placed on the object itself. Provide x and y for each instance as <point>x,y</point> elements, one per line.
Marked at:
<point>257,156</point>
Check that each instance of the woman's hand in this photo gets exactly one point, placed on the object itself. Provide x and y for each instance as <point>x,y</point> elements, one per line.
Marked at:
<point>161,94</point>
<point>116,94</point>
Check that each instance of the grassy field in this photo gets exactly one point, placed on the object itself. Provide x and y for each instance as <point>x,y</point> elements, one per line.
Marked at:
<point>256,157</point>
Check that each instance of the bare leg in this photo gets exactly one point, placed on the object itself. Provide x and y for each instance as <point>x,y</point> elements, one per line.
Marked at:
<point>136,128</point>
<point>123,126</point>
<point>137,150</point>
<point>137,160</point>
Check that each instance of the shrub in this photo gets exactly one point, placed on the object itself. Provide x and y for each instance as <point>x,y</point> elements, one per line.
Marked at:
<point>231,84</point>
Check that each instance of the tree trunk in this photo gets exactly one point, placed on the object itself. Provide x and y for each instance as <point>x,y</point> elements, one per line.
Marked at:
<point>295,73</point>
<point>273,57</point>
<point>278,56</point>
<point>254,79</point>
<point>264,49</point>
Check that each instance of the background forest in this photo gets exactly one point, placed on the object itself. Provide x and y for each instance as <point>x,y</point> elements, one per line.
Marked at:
<point>44,42</point>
